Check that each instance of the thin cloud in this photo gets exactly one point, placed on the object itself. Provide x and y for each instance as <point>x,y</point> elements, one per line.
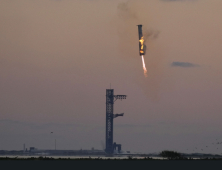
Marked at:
<point>183,64</point>
<point>132,125</point>
<point>43,126</point>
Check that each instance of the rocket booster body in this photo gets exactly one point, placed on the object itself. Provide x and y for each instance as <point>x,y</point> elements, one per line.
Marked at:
<point>142,46</point>
<point>140,31</point>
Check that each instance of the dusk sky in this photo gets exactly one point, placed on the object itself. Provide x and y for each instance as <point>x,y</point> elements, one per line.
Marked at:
<point>58,57</point>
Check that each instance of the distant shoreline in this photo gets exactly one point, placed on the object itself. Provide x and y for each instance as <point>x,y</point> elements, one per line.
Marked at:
<point>41,158</point>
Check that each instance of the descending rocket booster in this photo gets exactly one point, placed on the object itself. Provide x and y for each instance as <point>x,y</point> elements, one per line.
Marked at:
<point>142,46</point>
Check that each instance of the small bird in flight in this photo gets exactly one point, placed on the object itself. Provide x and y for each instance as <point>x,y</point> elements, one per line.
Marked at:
<point>51,132</point>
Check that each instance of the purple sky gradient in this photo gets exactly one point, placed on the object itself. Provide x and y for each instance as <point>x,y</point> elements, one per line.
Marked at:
<point>57,58</point>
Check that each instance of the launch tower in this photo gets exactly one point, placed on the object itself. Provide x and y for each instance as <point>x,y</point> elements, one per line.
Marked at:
<point>110,99</point>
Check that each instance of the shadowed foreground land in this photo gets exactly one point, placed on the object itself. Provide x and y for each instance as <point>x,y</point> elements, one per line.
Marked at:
<point>168,159</point>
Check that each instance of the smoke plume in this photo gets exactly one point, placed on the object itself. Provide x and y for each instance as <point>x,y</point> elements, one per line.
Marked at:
<point>129,15</point>
<point>183,64</point>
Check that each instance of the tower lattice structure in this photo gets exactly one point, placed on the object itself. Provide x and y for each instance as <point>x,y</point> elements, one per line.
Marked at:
<point>110,99</point>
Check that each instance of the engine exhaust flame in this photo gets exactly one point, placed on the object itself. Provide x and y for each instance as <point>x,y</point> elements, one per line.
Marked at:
<point>141,44</point>
<point>144,67</point>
